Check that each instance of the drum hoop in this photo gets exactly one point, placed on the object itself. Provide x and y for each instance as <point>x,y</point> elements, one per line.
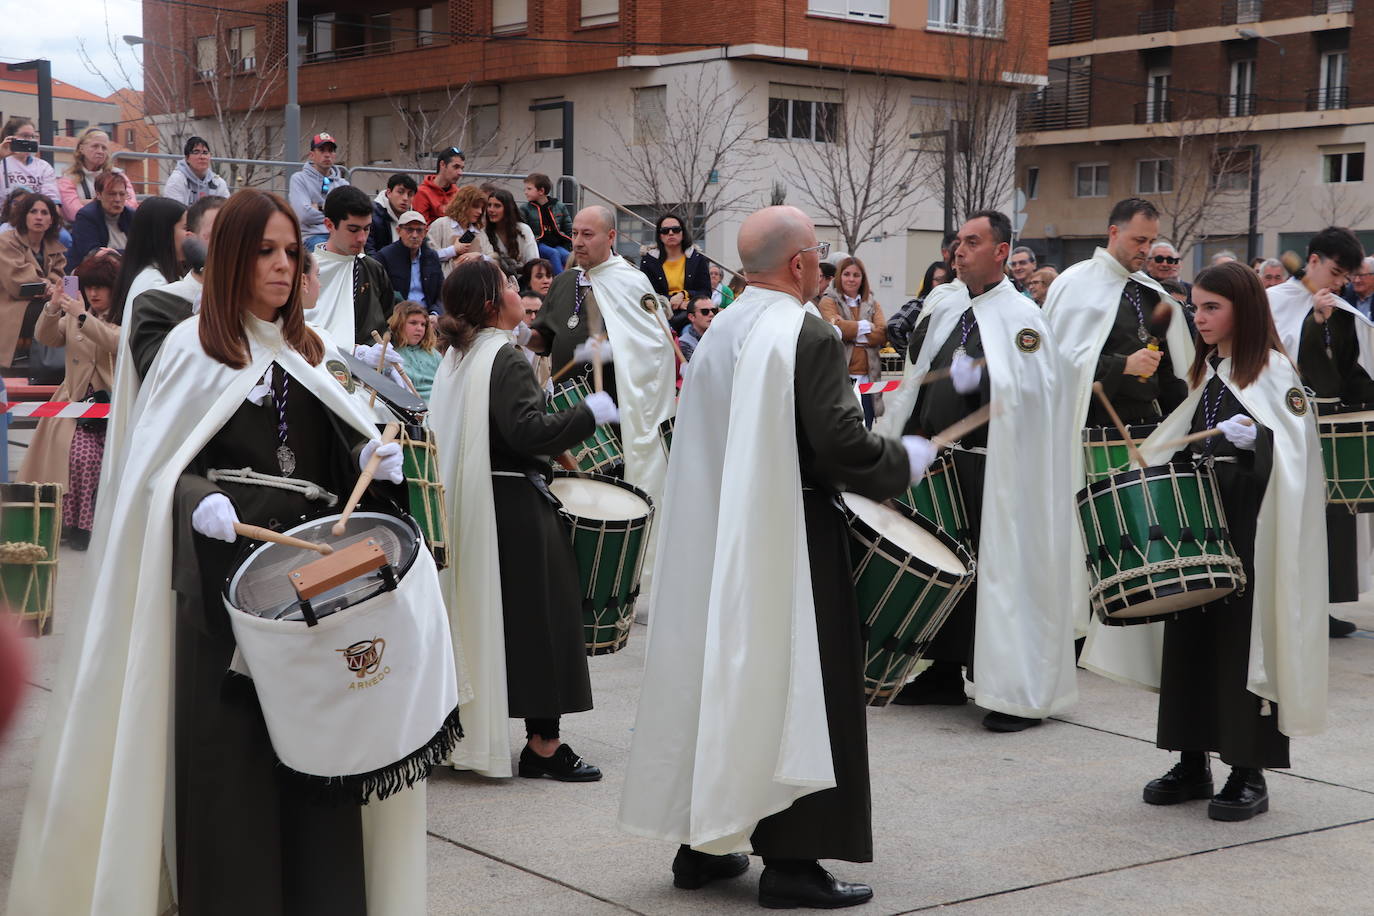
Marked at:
<point>606,478</point>
<point>867,535</point>
<point>1132,477</point>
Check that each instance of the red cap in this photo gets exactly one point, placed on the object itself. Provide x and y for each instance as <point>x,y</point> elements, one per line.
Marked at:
<point>322,139</point>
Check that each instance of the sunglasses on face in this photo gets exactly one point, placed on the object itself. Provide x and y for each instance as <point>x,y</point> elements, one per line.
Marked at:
<point>1165,259</point>
<point>670,230</point>
<point>707,311</point>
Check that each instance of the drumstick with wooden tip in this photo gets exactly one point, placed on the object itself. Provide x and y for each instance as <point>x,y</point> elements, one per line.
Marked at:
<point>388,435</point>
<point>258,533</point>
<point>596,366</point>
<point>567,367</point>
<point>1189,439</point>
<point>1120,427</point>
<point>399,369</point>
<point>968,424</point>
<point>381,367</point>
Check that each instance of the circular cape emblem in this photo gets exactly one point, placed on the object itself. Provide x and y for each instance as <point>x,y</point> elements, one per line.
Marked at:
<point>1297,402</point>
<point>649,302</point>
<point>1028,340</point>
<point>336,368</point>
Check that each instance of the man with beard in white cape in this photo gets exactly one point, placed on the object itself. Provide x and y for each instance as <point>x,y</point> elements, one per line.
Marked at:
<point>751,730</point>
<point>1102,314</point>
<point>1016,622</point>
<point>125,760</point>
<point>1333,346</point>
<point>607,295</point>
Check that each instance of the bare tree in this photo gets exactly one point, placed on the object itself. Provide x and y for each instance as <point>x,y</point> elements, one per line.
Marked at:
<point>433,120</point>
<point>1336,206</point>
<point>691,154</point>
<point>860,171</point>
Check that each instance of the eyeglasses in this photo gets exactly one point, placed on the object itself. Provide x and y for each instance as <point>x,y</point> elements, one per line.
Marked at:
<point>530,313</point>
<point>822,250</point>
<point>1165,259</point>
<point>670,230</point>
<point>711,311</point>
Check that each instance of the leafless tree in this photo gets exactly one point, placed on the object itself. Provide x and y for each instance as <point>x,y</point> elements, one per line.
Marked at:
<point>1336,206</point>
<point>864,177</point>
<point>687,148</point>
<point>433,120</point>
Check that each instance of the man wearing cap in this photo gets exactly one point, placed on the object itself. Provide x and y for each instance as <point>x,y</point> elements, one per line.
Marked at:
<point>438,189</point>
<point>412,264</point>
<point>311,185</point>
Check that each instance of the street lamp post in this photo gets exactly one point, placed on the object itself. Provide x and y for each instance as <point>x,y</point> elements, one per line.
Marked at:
<point>45,123</point>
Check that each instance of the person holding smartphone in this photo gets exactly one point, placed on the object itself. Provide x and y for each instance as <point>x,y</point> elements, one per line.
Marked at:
<point>32,261</point>
<point>459,230</point>
<point>21,166</point>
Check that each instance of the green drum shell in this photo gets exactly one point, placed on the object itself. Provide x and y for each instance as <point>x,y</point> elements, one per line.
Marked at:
<point>1147,577</point>
<point>1104,451</point>
<point>599,451</point>
<point>30,523</point>
<point>610,558</point>
<point>1348,457</point>
<point>903,600</point>
<point>665,432</point>
<point>425,492</point>
<point>937,498</point>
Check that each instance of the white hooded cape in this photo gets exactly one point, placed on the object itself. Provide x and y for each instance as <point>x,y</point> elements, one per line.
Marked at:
<point>1081,308</point>
<point>731,725</point>
<point>459,415</point>
<point>1023,641</point>
<point>333,311</point>
<point>1288,634</point>
<point>101,800</point>
<point>1291,303</point>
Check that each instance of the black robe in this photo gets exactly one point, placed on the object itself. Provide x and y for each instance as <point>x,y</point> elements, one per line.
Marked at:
<point>152,316</point>
<point>546,655</point>
<point>836,452</point>
<point>1203,702</point>
<point>1137,400</point>
<point>249,840</point>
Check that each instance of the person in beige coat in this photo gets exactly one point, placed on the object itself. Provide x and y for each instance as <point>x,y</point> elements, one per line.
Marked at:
<point>67,451</point>
<point>849,305</point>
<point>29,254</point>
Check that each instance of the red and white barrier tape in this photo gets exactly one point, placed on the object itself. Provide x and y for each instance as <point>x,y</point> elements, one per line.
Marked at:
<point>70,410</point>
<point>879,387</point>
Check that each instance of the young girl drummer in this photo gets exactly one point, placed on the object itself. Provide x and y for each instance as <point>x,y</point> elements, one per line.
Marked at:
<point>1242,675</point>
<point>513,595</point>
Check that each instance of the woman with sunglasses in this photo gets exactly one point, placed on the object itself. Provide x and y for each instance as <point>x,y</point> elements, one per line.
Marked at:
<point>675,268</point>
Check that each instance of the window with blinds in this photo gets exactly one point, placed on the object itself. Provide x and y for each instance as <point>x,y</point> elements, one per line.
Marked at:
<point>600,12</point>
<point>509,15</point>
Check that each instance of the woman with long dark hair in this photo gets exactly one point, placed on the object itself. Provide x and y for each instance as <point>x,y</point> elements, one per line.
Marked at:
<point>513,596</point>
<point>509,238</point>
<point>153,254</point>
<point>674,267</point>
<point>30,254</point>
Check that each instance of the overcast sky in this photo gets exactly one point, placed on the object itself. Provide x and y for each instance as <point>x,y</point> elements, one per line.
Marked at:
<point>58,30</point>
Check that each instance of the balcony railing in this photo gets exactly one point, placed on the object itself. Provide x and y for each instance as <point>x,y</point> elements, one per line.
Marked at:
<point>1071,21</point>
<point>1329,98</point>
<point>1325,7</point>
<point>1162,21</point>
<point>1154,112</point>
<point>1237,12</point>
<point>1238,106</point>
<point>1053,108</point>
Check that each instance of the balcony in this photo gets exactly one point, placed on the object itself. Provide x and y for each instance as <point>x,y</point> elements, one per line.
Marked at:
<point>1238,106</point>
<point>1157,111</point>
<point>1165,20</point>
<point>1327,7</point>
<point>1238,12</point>
<point>1328,98</point>
<point>1053,108</point>
<point>1071,21</point>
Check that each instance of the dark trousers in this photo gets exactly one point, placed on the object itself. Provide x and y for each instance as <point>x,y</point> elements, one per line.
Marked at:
<point>1342,564</point>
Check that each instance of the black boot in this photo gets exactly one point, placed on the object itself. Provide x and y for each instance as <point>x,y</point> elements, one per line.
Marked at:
<point>942,684</point>
<point>1338,629</point>
<point>1190,778</point>
<point>787,884</point>
<point>1006,722</point>
<point>564,765</point>
<point>1243,796</point>
<point>692,869</point>
<point>80,539</point>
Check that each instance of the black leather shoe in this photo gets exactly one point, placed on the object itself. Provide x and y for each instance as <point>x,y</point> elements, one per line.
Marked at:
<point>692,869</point>
<point>564,765</point>
<point>1003,722</point>
<point>1244,795</point>
<point>1338,629</point>
<point>80,539</point>
<point>1190,779</point>
<point>938,685</point>
<point>813,888</point>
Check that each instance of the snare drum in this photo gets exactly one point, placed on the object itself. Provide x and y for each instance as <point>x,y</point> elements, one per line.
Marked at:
<point>937,498</point>
<point>426,492</point>
<point>908,576</point>
<point>610,527</point>
<point>356,679</point>
<point>1104,451</point>
<point>30,530</point>
<point>600,451</point>
<point>1157,543</point>
<point>1347,438</point>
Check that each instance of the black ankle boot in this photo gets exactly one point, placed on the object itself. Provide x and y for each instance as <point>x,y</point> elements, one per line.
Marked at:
<point>1190,778</point>
<point>942,684</point>
<point>692,869</point>
<point>788,884</point>
<point>1244,795</point>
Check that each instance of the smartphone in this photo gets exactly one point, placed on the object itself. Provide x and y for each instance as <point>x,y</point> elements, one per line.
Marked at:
<point>467,236</point>
<point>32,290</point>
<point>71,287</point>
<point>23,146</point>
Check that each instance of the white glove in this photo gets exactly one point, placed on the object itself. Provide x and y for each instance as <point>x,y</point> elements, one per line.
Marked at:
<point>371,355</point>
<point>584,351</point>
<point>1240,431</point>
<point>965,374</point>
<point>603,408</point>
<point>921,452</point>
<point>214,517</point>
<point>447,254</point>
<point>390,468</point>
<point>522,333</point>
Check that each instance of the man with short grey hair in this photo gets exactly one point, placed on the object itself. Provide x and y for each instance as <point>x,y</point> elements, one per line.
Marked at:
<point>1359,292</point>
<point>1021,265</point>
<point>1272,272</point>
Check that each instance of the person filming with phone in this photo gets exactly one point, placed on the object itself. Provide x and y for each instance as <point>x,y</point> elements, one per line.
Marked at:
<point>32,261</point>
<point>21,166</point>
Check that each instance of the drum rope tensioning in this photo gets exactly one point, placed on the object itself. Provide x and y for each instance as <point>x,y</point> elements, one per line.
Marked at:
<point>30,532</point>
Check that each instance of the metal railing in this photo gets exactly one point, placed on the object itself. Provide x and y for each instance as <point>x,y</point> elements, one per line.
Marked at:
<point>1071,21</point>
<point>1329,98</point>
<point>1237,12</point>
<point>1157,111</point>
<point>1157,21</point>
<point>1238,106</point>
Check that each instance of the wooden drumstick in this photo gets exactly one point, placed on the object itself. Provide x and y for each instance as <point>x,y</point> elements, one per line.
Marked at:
<point>1120,427</point>
<point>565,461</point>
<point>1189,439</point>
<point>381,367</point>
<point>259,533</point>
<point>965,426</point>
<point>596,367</point>
<point>399,369</point>
<point>663,323</point>
<point>388,435</point>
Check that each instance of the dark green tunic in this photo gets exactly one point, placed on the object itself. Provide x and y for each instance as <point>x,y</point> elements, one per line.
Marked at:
<point>836,452</point>
<point>559,339</point>
<point>1137,400</point>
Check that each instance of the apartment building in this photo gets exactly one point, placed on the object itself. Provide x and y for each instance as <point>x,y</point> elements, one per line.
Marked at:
<point>1239,118</point>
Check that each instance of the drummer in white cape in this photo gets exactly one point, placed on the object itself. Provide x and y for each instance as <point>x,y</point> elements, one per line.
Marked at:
<point>1334,347</point>
<point>355,296</point>
<point>1014,623</point>
<point>751,729</point>
<point>608,295</point>
<point>513,594</point>
<point>153,788</point>
<point>1242,675</point>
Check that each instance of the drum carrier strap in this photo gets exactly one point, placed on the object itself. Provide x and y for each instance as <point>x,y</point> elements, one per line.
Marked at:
<point>252,478</point>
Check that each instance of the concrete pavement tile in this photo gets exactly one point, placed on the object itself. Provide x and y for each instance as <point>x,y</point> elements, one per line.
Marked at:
<point>463,882</point>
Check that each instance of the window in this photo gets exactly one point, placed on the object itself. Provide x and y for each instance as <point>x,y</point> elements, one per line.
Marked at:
<point>243,48</point>
<point>980,17</point>
<point>509,15</point>
<point>860,10</point>
<point>1333,91</point>
<point>379,33</point>
<point>600,12</point>
<point>632,233</point>
<point>424,26</point>
<point>75,127</point>
<point>548,126</point>
<point>1230,170</point>
<point>1090,180</point>
<point>128,137</point>
<point>804,113</point>
<point>483,123</point>
<point>380,139</point>
<point>320,37</point>
<point>1154,176</point>
<point>1157,95</point>
<point>1242,101</point>
<point>206,58</point>
<point>1033,182</point>
<point>1343,166</point>
<point>650,113</point>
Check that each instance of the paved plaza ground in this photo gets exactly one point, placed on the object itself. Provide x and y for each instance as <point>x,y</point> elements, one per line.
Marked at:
<point>1047,821</point>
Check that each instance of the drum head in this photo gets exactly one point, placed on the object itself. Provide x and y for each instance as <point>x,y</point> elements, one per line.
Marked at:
<point>906,534</point>
<point>1166,605</point>
<point>261,585</point>
<point>606,499</point>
